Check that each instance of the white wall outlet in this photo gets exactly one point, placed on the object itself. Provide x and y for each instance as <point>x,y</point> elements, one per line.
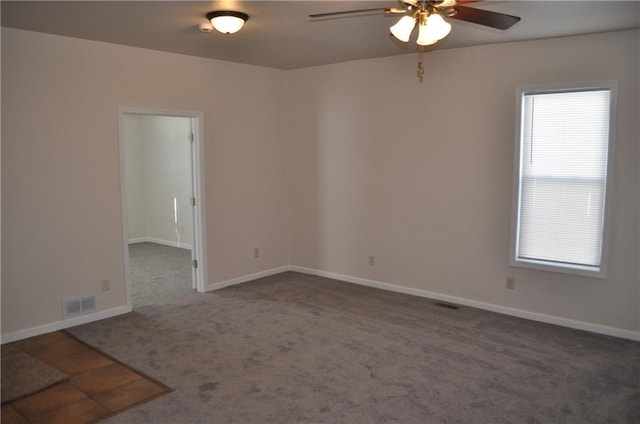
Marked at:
<point>256,252</point>
<point>106,285</point>
<point>372,261</point>
<point>511,282</point>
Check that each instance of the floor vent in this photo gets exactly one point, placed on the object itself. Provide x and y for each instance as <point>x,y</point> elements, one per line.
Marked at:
<point>447,305</point>
<point>74,307</point>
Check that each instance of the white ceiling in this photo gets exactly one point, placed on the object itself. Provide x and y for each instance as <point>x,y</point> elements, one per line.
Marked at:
<point>280,35</point>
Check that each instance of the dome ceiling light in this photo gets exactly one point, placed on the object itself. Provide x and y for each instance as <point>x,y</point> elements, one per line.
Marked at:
<point>226,21</point>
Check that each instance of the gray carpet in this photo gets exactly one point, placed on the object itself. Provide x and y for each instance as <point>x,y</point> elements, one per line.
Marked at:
<point>159,274</point>
<point>296,348</point>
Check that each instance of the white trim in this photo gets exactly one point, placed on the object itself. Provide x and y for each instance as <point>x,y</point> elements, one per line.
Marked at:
<point>123,207</point>
<point>61,325</point>
<point>599,272</point>
<point>199,229</point>
<point>160,241</point>
<point>534,316</point>
<point>549,319</point>
<point>246,278</point>
<point>199,250</point>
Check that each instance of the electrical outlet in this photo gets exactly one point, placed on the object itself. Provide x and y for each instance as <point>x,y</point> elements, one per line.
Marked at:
<point>256,253</point>
<point>511,282</point>
<point>106,285</point>
<point>372,261</point>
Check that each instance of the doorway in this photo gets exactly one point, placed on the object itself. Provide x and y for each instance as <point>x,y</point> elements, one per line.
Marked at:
<point>161,190</point>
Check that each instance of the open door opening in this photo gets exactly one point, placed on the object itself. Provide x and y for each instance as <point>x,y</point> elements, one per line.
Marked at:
<point>162,204</point>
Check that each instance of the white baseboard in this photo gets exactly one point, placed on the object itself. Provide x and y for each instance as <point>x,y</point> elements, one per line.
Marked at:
<point>245,278</point>
<point>549,319</point>
<point>160,241</point>
<point>61,325</point>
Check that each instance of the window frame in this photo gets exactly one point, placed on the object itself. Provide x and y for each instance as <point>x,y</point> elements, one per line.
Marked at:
<point>545,265</point>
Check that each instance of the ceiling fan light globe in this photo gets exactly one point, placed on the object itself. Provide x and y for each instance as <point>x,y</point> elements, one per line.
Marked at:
<point>426,37</point>
<point>447,3</point>
<point>438,27</point>
<point>403,28</point>
<point>426,41</point>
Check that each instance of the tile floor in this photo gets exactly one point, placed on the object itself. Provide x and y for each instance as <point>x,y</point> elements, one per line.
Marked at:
<point>98,387</point>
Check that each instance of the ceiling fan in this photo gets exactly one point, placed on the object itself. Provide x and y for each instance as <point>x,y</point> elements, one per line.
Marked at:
<point>429,16</point>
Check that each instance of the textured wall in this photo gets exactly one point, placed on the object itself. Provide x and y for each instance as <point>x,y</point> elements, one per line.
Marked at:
<point>61,210</point>
<point>319,167</point>
<point>158,170</point>
<point>420,175</point>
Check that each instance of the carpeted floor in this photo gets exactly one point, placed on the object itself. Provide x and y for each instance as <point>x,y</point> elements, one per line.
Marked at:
<point>159,274</point>
<point>297,348</point>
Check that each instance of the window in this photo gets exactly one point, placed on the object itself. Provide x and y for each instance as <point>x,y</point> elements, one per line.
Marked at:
<point>560,191</point>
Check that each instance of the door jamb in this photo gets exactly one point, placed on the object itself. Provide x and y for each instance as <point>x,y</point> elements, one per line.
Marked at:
<point>199,243</point>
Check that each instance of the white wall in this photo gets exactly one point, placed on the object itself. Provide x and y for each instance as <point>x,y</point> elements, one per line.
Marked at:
<point>335,163</point>
<point>61,210</point>
<point>158,169</point>
<point>420,175</point>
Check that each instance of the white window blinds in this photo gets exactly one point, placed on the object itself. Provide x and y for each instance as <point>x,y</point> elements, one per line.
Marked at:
<point>564,143</point>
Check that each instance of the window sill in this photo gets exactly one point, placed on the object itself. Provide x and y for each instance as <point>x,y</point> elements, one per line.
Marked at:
<point>579,270</point>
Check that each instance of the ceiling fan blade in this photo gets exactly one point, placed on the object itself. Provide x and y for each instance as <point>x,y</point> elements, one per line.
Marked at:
<point>354,12</point>
<point>485,17</point>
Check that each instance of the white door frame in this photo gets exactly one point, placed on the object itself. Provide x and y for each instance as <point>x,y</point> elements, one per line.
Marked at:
<point>198,252</point>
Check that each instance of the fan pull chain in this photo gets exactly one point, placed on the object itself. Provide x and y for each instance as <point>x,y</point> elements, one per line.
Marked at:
<point>420,72</point>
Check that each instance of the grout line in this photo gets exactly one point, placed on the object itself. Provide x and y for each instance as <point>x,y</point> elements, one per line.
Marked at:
<point>18,412</point>
<point>106,355</point>
<point>141,376</point>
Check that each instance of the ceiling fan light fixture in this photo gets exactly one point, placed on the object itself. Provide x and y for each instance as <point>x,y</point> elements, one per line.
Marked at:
<point>227,21</point>
<point>403,28</point>
<point>425,41</point>
<point>432,30</point>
